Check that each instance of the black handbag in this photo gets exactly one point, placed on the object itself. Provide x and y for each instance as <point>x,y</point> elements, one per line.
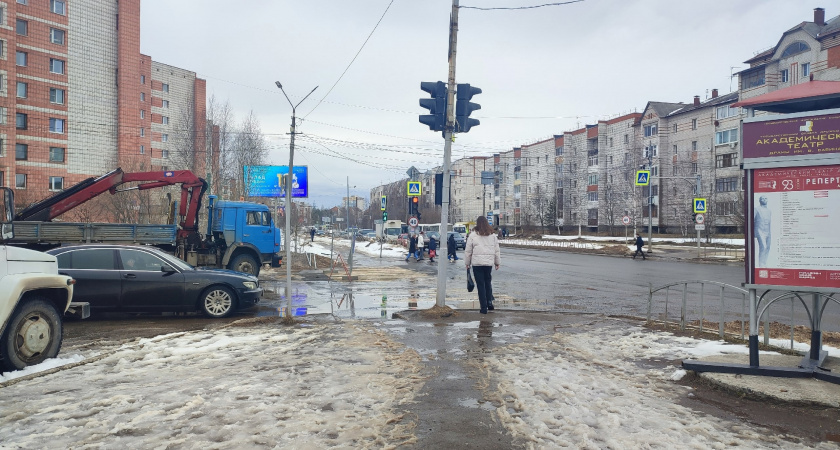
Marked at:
<point>470,282</point>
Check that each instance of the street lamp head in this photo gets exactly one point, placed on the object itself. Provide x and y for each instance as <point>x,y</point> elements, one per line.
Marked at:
<point>278,84</point>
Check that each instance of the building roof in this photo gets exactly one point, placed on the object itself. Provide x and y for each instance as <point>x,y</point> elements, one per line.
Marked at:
<point>800,97</point>
<point>719,100</point>
<point>634,116</point>
<point>817,32</point>
<point>661,109</point>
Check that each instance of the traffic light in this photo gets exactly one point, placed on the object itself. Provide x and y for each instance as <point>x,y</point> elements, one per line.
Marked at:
<point>415,201</point>
<point>436,119</point>
<point>384,216</point>
<point>463,108</point>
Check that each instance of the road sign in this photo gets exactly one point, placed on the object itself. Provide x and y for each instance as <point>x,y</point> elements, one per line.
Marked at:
<point>699,227</point>
<point>625,220</point>
<point>325,219</point>
<point>642,177</point>
<point>699,219</point>
<point>413,188</point>
<point>383,202</point>
<point>490,217</point>
<point>699,205</point>
<point>412,222</point>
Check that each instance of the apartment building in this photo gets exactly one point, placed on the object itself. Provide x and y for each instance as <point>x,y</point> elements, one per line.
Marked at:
<point>85,100</point>
<point>537,173</point>
<point>470,198</point>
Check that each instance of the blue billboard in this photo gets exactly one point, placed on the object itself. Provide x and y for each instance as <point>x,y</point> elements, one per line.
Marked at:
<point>265,181</point>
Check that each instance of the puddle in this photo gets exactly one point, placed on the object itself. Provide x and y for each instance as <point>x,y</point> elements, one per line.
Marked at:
<point>475,404</point>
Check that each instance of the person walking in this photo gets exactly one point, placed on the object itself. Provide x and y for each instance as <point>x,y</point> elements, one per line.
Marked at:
<point>640,243</point>
<point>451,248</point>
<point>432,249</point>
<point>312,234</point>
<point>421,243</point>
<point>482,253</point>
<point>412,247</point>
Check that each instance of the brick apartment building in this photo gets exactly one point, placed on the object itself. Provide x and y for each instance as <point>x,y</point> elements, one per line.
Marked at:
<point>85,100</point>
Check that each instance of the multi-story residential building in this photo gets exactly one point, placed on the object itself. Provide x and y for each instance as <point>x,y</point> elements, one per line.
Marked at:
<point>618,157</point>
<point>537,196</point>
<point>470,198</point>
<point>85,100</point>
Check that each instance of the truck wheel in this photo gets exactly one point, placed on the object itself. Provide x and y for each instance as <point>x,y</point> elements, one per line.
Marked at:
<point>217,302</point>
<point>245,263</point>
<point>33,334</point>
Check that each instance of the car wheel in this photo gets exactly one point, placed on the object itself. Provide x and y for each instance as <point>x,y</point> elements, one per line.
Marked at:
<point>217,302</point>
<point>32,335</point>
<point>246,264</point>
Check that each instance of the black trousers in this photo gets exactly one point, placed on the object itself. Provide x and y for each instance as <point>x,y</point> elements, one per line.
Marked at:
<point>639,251</point>
<point>484,285</point>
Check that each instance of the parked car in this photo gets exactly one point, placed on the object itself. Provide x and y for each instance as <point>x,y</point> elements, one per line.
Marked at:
<point>146,279</point>
<point>460,242</point>
<point>319,232</point>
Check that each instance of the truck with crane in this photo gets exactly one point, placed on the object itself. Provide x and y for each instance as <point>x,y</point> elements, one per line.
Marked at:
<point>240,236</point>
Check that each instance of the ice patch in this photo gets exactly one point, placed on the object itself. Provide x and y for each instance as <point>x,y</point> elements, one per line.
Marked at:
<point>46,365</point>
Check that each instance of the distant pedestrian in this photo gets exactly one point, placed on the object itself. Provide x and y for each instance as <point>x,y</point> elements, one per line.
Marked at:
<point>451,248</point>
<point>504,232</point>
<point>432,248</point>
<point>482,253</point>
<point>640,243</point>
<point>412,247</point>
<point>421,243</point>
<point>312,234</point>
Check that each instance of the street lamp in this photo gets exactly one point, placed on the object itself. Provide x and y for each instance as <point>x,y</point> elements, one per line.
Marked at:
<point>288,201</point>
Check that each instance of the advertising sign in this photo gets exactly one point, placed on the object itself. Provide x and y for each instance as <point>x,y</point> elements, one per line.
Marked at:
<point>794,218</point>
<point>266,181</point>
<point>792,136</point>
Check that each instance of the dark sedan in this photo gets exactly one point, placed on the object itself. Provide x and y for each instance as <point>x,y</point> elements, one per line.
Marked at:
<point>130,278</point>
<point>460,242</point>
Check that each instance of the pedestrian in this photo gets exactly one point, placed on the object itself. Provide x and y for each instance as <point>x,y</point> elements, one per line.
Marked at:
<point>421,243</point>
<point>482,253</point>
<point>312,234</point>
<point>412,247</point>
<point>432,249</point>
<point>504,232</point>
<point>498,233</point>
<point>451,248</point>
<point>640,243</point>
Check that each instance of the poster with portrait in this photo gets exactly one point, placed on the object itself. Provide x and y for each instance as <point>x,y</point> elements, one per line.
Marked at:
<point>795,220</point>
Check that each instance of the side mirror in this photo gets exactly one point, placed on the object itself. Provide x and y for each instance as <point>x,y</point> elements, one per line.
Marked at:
<point>7,213</point>
<point>167,269</point>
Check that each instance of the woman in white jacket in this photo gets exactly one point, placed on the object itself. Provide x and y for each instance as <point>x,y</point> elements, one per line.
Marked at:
<point>482,253</point>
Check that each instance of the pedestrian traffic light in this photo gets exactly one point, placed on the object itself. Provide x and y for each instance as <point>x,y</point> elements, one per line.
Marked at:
<point>463,108</point>
<point>436,119</point>
<point>384,216</point>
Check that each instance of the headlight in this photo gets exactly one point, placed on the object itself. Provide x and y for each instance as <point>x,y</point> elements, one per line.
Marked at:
<point>250,284</point>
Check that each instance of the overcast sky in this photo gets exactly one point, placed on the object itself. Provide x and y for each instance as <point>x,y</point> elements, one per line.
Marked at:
<point>542,71</point>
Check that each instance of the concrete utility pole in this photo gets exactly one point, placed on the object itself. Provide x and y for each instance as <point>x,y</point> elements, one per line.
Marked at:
<point>447,152</point>
<point>287,232</point>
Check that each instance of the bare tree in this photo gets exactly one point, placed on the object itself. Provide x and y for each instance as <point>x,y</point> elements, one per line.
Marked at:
<point>539,208</point>
<point>219,137</point>
<point>248,148</point>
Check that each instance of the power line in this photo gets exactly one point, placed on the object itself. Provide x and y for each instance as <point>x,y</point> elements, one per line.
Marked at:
<point>520,7</point>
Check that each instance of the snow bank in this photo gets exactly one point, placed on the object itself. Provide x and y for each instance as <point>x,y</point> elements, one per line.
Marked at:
<point>620,239</point>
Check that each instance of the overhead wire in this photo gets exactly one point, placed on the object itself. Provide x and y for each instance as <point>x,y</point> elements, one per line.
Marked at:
<point>519,7</point>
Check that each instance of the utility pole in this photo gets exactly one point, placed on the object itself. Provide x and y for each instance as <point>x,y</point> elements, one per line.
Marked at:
<point>447,152</point>
<point>650,198</point>
<point>287,232</point>
<point>351,236</point>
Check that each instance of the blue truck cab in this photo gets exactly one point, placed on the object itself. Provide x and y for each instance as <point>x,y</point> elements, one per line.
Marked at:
<point>245,235</point>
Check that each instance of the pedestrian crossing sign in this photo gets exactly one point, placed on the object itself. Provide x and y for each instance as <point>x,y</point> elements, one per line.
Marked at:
<point>413,188</point>
<point>383,203</point>
<point>700,205</point>
<point>642,177</point>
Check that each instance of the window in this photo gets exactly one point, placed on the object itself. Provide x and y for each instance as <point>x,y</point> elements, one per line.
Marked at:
<point>142,132</point>
<point>726,184</point>
<point>21,121</point>
<point>164,137</point>
<point>795,48</point>
<point>752,79</point>
<point>726,208</point>
<point>593,196</point>
<point>57,96</point>
<point>93,259</point>
<point>650,130</point>
<point>164,87</point>
<point>592,179</point>
<point>626,138</point>
<point>164,120</point>
<point>22,89</point>
<point>22,2</point>
<point>56,183</point>
<point>675,149</point>
<point>2,178</point>
<point>142,114</point>
<point>56,125</point>
<point>137,260</point>
<point>693,146</point>
<point>2,41</point>
<point>694,168</point>
<point>164,153</point>
<point>724,112</point>
<point>22,27</point>
<point>57,36</point>
<point>58,7</point>
<point>20,181</point>
<point>165,104</point>
<point>726,136</point>
<point>654,171</point>
<point>21,152</point>
<point>142,79</point>
<point>142,149</point>
<point>726,160</point>
<point>784,75</point>
<point>806,69</point>
<point>3,111</point>
<point>674,128</point>
<point>674,171</point>
<point>651,151</point>
<point>693,124</point>
<point>611,142</point>
<point>257,218</point>
<point>56,66</point>
<point>21,58</point>
<point>142,96</point>
<point>57,154</point>
<point>593,160</point>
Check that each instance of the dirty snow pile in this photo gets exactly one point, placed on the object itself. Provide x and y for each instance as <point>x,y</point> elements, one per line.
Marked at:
<point>262,386</point>
<point>588,390</point>
<point>343,246</point>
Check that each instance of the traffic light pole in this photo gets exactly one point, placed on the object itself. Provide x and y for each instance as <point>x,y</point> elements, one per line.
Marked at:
<point>447,154</point>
